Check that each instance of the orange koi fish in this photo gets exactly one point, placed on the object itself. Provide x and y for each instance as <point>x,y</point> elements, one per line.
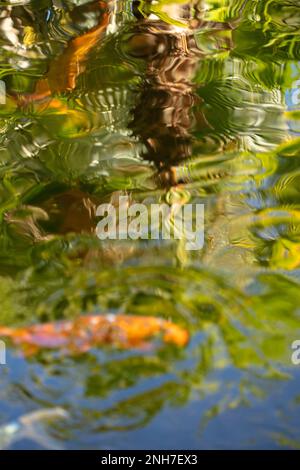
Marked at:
<point>85,332</point>
<point>64,70</point>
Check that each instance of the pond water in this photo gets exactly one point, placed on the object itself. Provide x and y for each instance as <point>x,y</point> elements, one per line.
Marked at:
<point>160,101</point>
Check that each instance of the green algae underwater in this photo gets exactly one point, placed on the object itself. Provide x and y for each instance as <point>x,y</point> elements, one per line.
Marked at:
<point>192,102</point>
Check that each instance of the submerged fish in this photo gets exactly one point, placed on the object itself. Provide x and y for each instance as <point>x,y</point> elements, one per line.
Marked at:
<point>85,332</point>
<point>64,69</point>
<point>32,426</point>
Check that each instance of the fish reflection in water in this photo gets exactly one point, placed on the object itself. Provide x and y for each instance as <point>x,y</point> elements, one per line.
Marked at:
<point>33,426</point>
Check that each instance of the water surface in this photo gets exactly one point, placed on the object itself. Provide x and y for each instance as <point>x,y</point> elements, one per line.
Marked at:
<point>195,102</point>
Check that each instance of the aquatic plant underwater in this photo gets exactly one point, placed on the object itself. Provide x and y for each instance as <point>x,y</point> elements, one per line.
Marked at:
<point>139,343</point>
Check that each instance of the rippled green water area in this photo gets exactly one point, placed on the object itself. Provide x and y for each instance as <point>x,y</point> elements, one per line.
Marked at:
<point>161,101</point>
